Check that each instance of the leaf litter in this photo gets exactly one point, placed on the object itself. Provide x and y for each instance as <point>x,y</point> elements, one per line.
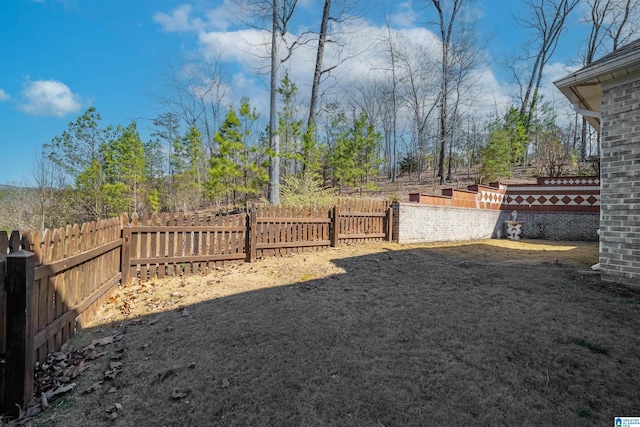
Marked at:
<point>52,378</point>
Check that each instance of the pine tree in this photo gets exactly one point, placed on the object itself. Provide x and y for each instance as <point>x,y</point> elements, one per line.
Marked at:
<point>496,155</point>
<point>289,127</point>
<point>124,170</point>
<point>224,167</point>
<point>186,162</point>
<point>355,157</point>
<point>77,152</point>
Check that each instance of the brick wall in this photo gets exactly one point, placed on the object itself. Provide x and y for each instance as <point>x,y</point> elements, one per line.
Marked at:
<point>620,173</point>
<point>564,208</point>
<point>415,223</point>
<point>558,225</point>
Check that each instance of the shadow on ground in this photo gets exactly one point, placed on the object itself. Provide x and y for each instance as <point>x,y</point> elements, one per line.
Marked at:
<point>420,336</point>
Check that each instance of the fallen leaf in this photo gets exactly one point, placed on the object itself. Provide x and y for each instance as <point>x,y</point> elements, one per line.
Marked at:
<point>177,394</point>
<point>74,371</point>
<point>164,374</point>
<point>43,401</point>
<point>114,370</point>
<point>184,313</point>
<point>27,414</point>
<point>60,390</point>
<point>113,410</point>
<point>93,387</point>
<point>103,341</point>
<point>94,354</point>
<point>118,354</point>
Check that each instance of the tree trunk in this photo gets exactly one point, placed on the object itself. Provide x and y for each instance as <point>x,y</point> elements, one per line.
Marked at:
<point>274,140</point>
<point>322,39</point>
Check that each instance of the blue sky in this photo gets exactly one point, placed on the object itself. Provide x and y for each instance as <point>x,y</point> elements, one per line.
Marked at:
<point>58,57</point>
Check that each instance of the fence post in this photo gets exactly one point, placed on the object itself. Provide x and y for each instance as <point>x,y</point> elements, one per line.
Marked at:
<point>125,255</point>
<point>335,226</point>
<point>252,235</point>
<point>3,325</point>
<point>19,362</point>
<point>389,224</point>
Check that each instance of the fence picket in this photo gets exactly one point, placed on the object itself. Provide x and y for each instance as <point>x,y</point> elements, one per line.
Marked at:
<point>144,245</point>
<point>76,266</point>
<point>162,246</point>
<point>4,243</point>
<point>153,248</point>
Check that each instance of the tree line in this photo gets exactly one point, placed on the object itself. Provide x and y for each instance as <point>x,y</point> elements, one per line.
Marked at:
<point>418,117</point>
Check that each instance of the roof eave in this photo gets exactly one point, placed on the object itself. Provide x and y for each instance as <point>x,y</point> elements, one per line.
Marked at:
<point>602,72</point>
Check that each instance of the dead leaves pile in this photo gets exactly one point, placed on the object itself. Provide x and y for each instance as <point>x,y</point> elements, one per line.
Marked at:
<point>140,298</point>
<point>54,377</point>
<point>126,298</point>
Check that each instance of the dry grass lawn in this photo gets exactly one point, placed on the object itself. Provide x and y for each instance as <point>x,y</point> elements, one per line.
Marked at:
<point>481,333</point>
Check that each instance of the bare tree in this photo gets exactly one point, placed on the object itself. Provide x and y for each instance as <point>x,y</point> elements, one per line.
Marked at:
<point>279,14</point>
<point>394,105</point>
<point>274,140</point>
<point>318,71</point>
<point>421,97</point>
<point>613,22</point>
<point>196,94</point>
<point>546,19</point>
<point>459,56</point>
<point>624,22</point>
<point>446,25</point>
<point>49,210</point>
<point>324,37</point>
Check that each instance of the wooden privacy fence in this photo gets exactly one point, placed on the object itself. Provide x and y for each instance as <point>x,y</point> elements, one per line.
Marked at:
<point>52,283</point>
<point>182,244</point>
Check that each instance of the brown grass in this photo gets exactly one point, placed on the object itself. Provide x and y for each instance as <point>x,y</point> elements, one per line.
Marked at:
<point>482,333</point>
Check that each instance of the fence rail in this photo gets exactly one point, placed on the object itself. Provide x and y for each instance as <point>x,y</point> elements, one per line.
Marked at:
<point>52,283</point>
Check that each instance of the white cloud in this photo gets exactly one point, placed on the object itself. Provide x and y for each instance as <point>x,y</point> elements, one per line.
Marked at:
<point>178,20</point>
<point>4,96</point>
<point>360,52</point>
<point>49,98</point>
<point>222,17</point>
<point>557,70</point>
<point>360,49</point>
<point>550,93</point>
<point>405,17</point>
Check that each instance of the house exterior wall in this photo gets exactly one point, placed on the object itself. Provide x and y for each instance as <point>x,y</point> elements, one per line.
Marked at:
<point>620,174</point>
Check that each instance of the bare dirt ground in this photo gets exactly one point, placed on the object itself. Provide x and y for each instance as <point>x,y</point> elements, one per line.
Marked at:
<point>480,333</point>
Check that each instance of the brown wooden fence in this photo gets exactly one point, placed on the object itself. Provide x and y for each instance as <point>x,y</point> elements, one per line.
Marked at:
<point>52,283</point>
<point>184,244</point>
